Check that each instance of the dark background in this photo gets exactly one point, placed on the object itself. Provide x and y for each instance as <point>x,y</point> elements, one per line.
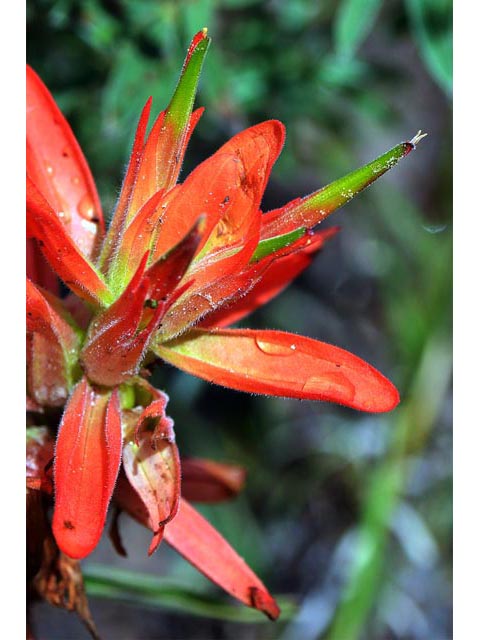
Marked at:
<point>346,515</point>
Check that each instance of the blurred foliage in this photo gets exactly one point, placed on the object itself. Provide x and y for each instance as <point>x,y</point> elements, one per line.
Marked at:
<point>349,514</point>
<point>143,589</point>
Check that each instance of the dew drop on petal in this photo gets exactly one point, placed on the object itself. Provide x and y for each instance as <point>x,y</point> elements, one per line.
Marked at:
<point>331,383</point>
<point>85,207</point>
<point>91,227</point>
<point>273,349</point>
<point>65,216</point>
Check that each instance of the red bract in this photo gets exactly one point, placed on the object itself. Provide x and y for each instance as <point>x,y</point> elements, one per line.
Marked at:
<point>178,264</point>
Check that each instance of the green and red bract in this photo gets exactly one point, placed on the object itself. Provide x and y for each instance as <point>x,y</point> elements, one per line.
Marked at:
<point>178,264</point>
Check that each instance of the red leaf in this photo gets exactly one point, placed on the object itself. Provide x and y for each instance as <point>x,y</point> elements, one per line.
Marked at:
<point>119,219</point>
<point>167,141</point>
<point>223,188</point>
<point>165,274</point>
<point>281,364</point>
<point>46,315</point>
<point>205,292</point>
<point>38,269</point>
<point>47,374</point>
<point>209,481</point>
<point>235,178</point>
<point>56,164</point>
<point>155,164</point>
<point>60,250</point>
<point>87,459</point>
<point>136,241</point>
<point>195,538</point>
<point>115,343</point>
<point>52,347</point>
<point>152,465</point>
<point>266,279</point>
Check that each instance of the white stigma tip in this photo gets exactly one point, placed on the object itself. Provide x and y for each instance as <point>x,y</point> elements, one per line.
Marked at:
<point>416,138</point>
<point>205,31</point>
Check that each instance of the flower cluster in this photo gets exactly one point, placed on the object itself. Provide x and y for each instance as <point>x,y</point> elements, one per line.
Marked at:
<point>178,264</point>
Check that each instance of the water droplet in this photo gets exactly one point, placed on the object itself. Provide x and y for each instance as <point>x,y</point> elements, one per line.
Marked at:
<point>49,169</point>
<point>85,207</point>
<point>75,180</point>
<point>64,216</point>
<point>328,384</point>
<point>273,349</point>
<point>91,227</point>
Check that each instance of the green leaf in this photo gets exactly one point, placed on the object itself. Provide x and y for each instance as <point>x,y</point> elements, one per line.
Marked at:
<point>432,25</point>
<point>353,21</point>
<point>270,245</point>
<point>309,211</point>
<point>143,589</point>
<point>179,110</point>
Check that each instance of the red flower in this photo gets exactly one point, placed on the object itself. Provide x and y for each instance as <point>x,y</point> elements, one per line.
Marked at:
<point>178,263</point>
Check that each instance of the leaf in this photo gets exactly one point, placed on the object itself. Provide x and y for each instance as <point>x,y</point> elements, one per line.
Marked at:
<point>225,188</point>
<point>209,481</point>
<point>57,166</point>
<point>152,465</point>
<point>87,459</point>
<point>193,537</point>
<point>142,589</point>
<point>234,179</point>
<point>167,272</point>
<point>311,210</point>
<point>38,269</point>
<point>280,364</point>
<point>47,315</point>
<point>136,241</point>
<point>353,21</point>
<point>111,243</point>
<point>53,343</point>
<point>63,255</point>
<point>116,342</point>
<point>155,164</point>
<point>432,25</point>
<point>270,245</point>
<point>266,279</point>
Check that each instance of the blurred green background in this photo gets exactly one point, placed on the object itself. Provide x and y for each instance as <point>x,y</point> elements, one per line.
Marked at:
<point>347,516</point>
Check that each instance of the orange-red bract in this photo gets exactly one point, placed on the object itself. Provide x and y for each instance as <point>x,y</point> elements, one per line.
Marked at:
<point>152,465</point>
<point>281,364</point>
<point>209,481</point>
<point>56,164</point>
<point>87,459</point>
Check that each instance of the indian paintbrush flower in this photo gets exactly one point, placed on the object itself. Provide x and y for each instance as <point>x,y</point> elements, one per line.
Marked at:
<point>179,264</point>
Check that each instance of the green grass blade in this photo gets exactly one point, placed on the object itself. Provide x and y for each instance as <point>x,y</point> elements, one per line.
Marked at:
<point>150,591</point>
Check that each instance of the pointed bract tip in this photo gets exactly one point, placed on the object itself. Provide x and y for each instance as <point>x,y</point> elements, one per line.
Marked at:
<point>264,602</point>
<point>417,137</point>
